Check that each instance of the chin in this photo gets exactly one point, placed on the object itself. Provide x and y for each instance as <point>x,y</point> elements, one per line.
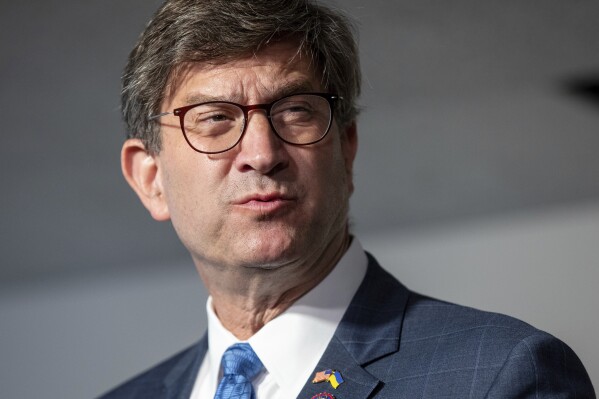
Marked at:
<point>271,252</point>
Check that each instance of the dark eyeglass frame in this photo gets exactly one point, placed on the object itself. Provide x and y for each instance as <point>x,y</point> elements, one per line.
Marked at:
<point>181,111</point>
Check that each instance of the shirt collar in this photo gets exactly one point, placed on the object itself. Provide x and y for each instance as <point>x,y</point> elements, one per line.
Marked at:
<point>303,331</point>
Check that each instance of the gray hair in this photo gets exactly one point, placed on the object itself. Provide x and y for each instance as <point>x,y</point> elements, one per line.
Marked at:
<point>218,31</point>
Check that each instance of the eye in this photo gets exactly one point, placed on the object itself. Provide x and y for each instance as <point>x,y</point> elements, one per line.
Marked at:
<point>212,115</point>
<point>295,107</point>
<point>213,119</point>
<point>292,111</point>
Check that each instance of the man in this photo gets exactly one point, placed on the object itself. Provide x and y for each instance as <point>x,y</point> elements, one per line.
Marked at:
<point>241,119</point>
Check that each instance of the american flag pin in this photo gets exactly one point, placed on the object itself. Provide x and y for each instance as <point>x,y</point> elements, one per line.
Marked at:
<point>322,376</point>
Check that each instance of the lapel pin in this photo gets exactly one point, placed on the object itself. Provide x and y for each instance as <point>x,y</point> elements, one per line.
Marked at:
<point>332,376</point>
<point>323,395</point>
<point>322,376</point>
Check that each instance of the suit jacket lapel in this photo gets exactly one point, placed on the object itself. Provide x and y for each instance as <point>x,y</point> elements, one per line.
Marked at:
<point>358,383</point>
<point>179,381</point>
<point>370,329</point>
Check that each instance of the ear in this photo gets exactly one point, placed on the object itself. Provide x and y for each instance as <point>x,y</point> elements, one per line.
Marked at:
<point>349,143</point>
<point>142,172</point>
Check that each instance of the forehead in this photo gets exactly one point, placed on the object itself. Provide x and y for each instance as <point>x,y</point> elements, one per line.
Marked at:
<point>275,70</point>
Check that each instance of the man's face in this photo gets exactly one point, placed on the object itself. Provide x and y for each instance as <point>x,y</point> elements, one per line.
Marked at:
<point>263,203</point>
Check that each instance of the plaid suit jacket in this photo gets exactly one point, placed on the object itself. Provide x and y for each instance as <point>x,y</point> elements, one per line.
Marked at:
<point>393,343</point>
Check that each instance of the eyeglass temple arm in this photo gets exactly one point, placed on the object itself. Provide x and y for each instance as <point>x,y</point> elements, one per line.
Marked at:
<point>152,117</point>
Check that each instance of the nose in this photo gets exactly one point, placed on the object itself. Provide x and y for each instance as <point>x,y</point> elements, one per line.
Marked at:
<point>260,149</point>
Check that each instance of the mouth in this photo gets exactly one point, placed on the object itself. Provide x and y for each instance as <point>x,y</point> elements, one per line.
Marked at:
<point>264,203</point>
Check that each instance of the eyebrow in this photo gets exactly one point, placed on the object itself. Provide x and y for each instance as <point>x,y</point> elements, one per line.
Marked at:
<point>197,97</point>
<point>300,86</point>
<point>290,88</point>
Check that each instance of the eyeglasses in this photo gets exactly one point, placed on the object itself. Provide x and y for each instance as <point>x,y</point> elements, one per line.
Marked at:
<point>217,126</point>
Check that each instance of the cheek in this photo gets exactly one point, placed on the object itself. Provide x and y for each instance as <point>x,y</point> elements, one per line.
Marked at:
<point>327,178</point>
<point>193,196</point>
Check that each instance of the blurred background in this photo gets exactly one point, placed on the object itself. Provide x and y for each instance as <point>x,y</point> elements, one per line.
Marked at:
<point>477,180</point>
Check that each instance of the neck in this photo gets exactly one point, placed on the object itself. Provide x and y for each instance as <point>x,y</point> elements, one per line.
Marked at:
<point>245,299</point>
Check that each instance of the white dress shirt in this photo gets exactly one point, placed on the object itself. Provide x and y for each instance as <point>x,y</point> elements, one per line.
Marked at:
<point>290,345</point>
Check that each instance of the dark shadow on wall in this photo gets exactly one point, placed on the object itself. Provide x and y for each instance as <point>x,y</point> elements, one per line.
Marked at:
<point>585,88</point>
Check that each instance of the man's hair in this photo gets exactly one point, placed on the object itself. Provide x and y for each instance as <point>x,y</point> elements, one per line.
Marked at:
<point>218,31</point>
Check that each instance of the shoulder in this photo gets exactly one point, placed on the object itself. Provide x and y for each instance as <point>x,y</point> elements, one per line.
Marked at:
<point>429,317</point>
<point>486,354</point>
<point>155,382</point>
<point>465,352</point>
<point>427,320</point>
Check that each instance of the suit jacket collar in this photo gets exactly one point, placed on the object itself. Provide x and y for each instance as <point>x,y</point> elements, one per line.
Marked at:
<point>369,330</point>
<point>179,381</point>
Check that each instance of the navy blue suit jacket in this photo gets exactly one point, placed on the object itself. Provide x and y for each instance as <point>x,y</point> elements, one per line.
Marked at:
<point>393,343</point>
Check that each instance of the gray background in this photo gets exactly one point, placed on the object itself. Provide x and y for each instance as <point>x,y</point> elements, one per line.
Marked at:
<point>477,180</point>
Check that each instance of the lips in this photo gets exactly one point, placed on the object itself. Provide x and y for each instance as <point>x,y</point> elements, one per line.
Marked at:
<point>270,197</point>
<point>264,202</point>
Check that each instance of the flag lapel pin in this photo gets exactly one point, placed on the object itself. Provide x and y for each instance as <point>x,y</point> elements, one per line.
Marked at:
<point>332,376</point>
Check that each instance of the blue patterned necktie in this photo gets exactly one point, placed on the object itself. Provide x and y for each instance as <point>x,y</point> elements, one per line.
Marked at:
<point>240,366</point>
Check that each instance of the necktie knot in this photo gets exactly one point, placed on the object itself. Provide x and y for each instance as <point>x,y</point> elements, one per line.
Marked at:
<point>241,359</point>
<point>240,366</point>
